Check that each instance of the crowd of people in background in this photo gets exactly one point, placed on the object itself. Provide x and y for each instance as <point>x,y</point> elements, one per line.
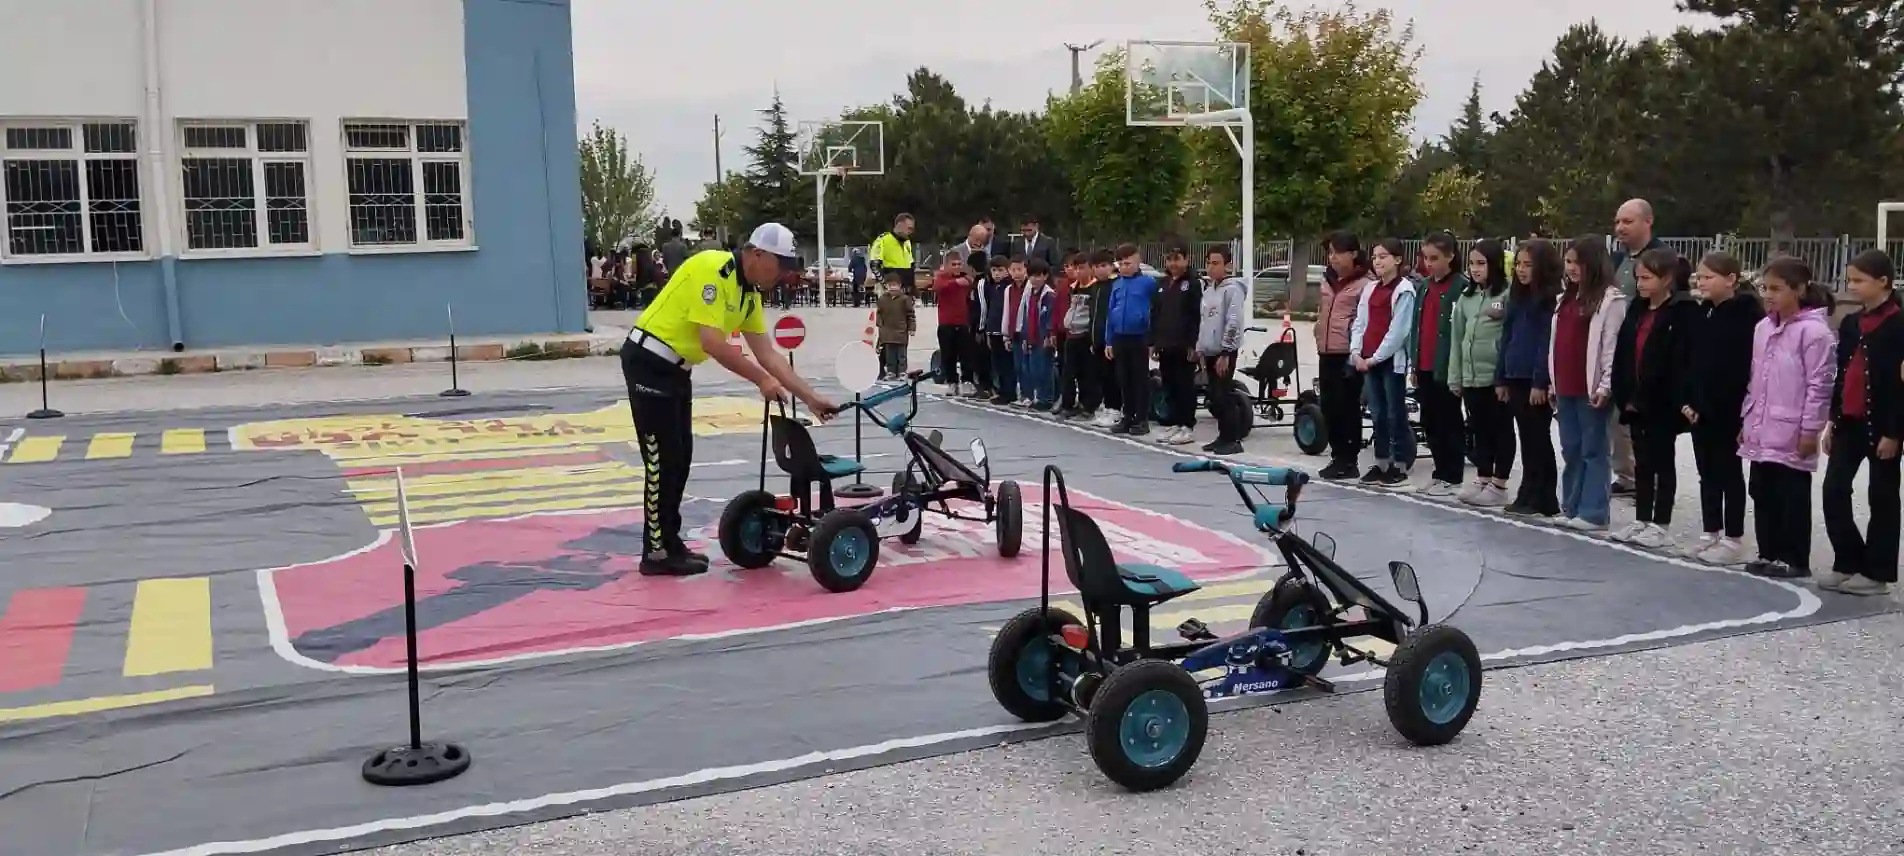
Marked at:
<point>1626,348</point>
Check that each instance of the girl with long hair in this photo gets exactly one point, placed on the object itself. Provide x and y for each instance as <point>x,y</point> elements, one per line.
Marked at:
<point>1523,377</point>
<point>1474,352</point>
<point>1649,388</point>
<point>1719,368</point>
<point>1337,382</point>
<point>1382,336</point>
<point>1586,333</point>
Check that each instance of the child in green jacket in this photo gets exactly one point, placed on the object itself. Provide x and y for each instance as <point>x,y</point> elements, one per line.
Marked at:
<point>1474,348</point>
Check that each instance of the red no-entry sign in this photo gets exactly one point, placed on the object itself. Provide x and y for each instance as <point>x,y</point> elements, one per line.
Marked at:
<point>789,332</point>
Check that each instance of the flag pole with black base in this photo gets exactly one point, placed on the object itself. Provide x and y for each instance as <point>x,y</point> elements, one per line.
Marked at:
<point>417,762</point>
<point>456,389</point>
<point>46,410</point>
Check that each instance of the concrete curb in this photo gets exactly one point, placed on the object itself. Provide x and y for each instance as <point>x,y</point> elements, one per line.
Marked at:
<point>528,348</point>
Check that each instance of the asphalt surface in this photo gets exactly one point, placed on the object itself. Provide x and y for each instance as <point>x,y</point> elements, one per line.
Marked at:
<point>1776,743</point>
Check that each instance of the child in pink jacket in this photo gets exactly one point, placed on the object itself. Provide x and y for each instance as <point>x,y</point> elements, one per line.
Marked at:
<point>1794,361</point>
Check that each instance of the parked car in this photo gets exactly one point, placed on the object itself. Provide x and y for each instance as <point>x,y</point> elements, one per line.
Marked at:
<point>1272,288</point>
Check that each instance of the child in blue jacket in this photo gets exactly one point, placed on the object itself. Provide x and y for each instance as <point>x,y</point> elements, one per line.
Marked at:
<point>1128,329</point>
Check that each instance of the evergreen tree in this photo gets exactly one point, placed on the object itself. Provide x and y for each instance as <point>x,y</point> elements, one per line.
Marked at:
<point>1467,140</point>
<point>772,189</point>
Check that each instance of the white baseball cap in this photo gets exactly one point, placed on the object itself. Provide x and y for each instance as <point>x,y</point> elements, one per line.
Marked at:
<point>777,239</point>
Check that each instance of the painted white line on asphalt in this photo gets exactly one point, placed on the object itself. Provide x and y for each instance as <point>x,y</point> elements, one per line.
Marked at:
<point>12,438</point>
<point>504,809</point>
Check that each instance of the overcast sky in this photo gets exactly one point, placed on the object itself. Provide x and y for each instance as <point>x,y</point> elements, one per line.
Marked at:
<point>660,72</point>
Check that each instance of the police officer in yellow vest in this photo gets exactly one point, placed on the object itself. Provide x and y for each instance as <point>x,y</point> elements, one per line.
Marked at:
<point>713,295</point>
<point>893,252</point>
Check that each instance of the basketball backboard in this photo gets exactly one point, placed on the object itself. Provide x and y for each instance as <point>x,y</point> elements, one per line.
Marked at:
<point>1170,83</point>
<point>842,146</point>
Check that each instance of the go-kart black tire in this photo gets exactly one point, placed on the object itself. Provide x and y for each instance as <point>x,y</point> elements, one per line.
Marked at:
<point>938,370</point>
<point>851,564</point>
<point>1296,603</point>
<point>1311,429</point>
<point>1009,518</point>
<point>1153,700</point>
<point>1159,402</point>
<point>740,547</point>
<point>1008,656</point>
<point>1433,684</point>
<point>1245,402</point>
<point>904,483</point>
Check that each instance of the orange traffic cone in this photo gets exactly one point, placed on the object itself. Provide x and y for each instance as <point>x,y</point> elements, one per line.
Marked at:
<point>871,336</point>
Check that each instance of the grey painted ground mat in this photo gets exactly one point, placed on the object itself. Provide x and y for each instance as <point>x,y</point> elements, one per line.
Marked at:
<point>203,640</point>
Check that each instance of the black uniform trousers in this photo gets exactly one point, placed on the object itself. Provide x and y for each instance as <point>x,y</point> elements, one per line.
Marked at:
<point>1873,552</point>
<point>661,395</point>
<point>1224,404</point>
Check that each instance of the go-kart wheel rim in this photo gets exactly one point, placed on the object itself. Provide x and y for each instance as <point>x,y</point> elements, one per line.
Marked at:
<point>1034,669</point>
<point>1154,729</point>
<point>753,533</point>
<point>1305,431</point>
<point>849,551</point>
<point>1307,656</point>
<point>1445,685</point>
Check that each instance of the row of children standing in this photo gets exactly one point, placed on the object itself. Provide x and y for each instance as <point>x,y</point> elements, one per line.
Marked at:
<point>1080,344</point>
<point>1757,380</point>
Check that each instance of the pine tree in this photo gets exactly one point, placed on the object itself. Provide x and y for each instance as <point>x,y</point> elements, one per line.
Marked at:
<point>1468,137</point>
<point>773,190</point>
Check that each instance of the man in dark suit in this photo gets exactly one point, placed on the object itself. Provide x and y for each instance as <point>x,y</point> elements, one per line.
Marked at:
<point>1033,244</point>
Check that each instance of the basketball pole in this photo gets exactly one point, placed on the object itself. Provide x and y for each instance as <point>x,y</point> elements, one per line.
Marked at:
<point>819,229</point>
<point>1245,144</point>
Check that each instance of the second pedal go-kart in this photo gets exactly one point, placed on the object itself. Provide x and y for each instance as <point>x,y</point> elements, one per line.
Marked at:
<point>840,544</point>
<point>1144,706</point>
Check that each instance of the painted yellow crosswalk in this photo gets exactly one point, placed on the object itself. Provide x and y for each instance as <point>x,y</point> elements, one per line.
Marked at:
<point>106,446</point>
<point>1223,607</point>
<point>51,640</point>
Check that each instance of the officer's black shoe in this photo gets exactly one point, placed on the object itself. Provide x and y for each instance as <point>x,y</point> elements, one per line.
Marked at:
<point>671,565</point>
<point>680,548</point>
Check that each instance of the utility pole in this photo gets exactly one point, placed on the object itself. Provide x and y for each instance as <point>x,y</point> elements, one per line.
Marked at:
<point>1077,76</point>
<point>720,230</point>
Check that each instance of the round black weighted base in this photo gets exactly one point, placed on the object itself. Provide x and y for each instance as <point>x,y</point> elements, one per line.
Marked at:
<point>45,413</point>
<point>453,393</point>
<point>859,491</point>
<point>421,765</point>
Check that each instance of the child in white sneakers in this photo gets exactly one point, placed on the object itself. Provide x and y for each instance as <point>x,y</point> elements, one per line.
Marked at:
<point>1649,389</point>
<point>1720,368</point>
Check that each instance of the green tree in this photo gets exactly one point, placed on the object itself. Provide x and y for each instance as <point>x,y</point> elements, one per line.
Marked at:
<point>719,209</point>
<point>1451,199</point>
<point>617,188</point>
<point>1570,151</point>
<point>1331,94</point>
<point>1467,140</point>
<point>1127,180</point>
<point>1797,100</point>
<point>772,188</point>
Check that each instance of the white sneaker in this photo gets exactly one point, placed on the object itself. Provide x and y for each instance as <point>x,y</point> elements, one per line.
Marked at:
<point>1165,435</point>
<point>1725,551</point>
<point>1865,586</point>
<point>1438,489</point>
<point>1580,525</point>
<point>1627,533</point>
<point>1697,549</point>
<point>1185,437</point>
<point>1651,536</point>
<point>1491,496</point>
<point>1471,491</point>
<point>1830,580</point>
<point>1107,418</point>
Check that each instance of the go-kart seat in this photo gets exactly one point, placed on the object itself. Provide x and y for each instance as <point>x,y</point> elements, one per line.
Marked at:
<point>794,450</point>
<point>1101,580</point>
<point>1276,366</point>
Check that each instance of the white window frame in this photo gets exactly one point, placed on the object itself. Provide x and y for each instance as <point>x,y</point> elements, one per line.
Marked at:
<point>417,159</point>
<point>259,160</point>
<point>77,127</point>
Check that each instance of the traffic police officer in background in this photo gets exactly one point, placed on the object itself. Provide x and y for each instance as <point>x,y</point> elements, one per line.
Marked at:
<point>715,294</point>
<point>893,252</point>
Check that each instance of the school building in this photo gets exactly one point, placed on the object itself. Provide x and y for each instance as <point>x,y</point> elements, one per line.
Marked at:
<point>211,173</point>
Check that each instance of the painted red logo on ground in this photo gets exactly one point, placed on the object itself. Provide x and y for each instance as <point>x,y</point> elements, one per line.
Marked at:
<point>498,590</point>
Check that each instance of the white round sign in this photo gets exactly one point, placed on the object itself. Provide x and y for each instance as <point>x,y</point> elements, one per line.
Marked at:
<point>857,366</point>
<point>15,515</point>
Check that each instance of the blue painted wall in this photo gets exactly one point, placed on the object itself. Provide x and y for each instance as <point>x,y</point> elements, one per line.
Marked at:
<point>525,185</point>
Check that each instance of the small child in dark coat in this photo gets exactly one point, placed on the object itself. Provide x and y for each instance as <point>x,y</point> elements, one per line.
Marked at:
<point>897,322</point>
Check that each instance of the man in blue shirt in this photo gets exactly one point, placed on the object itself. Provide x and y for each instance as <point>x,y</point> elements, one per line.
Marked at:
<point>1128,330</point>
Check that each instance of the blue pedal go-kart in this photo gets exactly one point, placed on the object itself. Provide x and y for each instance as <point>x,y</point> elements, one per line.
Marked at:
<point>840,545</point>
<point>1144,707</point>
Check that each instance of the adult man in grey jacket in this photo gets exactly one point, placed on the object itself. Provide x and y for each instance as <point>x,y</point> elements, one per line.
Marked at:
<point>1219,339</point>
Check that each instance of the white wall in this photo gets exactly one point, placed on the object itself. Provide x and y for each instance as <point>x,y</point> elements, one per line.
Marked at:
<point>321,61</point>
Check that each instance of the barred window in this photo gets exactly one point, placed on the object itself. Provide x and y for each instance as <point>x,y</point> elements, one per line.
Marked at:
<point>407,183</point>
<point>71,189</point>
<point>244,185</point>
